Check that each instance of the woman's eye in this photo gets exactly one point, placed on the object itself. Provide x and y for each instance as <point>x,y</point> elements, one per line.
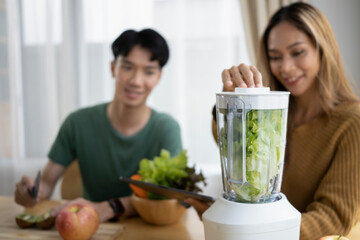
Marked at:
<point>274,58</point>
<point>297,53</point>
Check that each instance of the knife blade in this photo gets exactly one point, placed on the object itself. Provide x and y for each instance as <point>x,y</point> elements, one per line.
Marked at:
<point>34,191</point>
<point>168,191</point>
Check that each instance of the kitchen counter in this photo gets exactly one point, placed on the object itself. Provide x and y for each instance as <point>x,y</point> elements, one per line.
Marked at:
<point>189,228</point>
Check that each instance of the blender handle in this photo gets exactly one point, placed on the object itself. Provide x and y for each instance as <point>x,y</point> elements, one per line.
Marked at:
<point>232,117</point>
<point>243,135</point>
<point>229,139</point>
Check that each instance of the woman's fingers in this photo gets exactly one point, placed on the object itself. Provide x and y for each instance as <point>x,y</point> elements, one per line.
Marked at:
<point>228,85</point>
<point>237,77</point>
<point>247,74</point>
<point>257,76</point>
<point>241,76</point>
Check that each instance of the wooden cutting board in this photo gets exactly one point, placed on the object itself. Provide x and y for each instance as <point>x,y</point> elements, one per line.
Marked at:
<point>10,230</point>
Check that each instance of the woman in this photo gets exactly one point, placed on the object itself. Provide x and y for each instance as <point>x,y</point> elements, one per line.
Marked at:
<point>321,179</point>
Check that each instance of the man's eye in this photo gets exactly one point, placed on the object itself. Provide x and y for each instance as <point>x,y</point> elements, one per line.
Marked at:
<point>149,73</point>
<point>126,67</point>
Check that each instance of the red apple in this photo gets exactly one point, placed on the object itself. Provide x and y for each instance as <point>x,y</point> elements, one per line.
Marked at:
<point>77,221</point>
<point>334,237</point>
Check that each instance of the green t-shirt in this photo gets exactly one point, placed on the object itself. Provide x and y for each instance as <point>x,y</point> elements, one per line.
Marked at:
<point>104,154</point>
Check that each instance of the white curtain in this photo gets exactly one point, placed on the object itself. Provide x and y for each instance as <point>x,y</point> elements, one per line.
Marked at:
<point>256,14</point>
<point>57,59</point>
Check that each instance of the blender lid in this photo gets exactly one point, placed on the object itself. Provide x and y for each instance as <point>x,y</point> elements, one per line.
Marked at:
<point>253,91</point>
<point>254,98</point>
<point>263,90</point>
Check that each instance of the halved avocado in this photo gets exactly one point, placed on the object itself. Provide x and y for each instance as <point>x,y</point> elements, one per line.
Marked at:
<point>45,221</point>
<point>26,220</point>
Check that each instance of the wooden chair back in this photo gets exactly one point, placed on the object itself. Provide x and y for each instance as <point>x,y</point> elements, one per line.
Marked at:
<point>71,185</point>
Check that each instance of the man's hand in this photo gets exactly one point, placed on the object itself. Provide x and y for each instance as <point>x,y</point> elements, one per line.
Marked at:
<point>103,208</point>
<point>49,177</point>
<point>22,195</point>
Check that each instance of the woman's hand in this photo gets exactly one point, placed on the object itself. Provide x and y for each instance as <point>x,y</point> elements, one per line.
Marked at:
<point>199,206</point>
<point>241,76</point>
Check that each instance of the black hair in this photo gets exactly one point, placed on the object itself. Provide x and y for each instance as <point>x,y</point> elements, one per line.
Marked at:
<point>146,38</point>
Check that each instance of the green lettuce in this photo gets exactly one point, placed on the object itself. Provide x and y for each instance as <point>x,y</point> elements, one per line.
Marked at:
<point>170,172</point>
<point>264,151</point>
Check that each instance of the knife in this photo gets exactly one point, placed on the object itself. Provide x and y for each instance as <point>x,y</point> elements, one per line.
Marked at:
<point>34,191</point>
<point>168,191</point>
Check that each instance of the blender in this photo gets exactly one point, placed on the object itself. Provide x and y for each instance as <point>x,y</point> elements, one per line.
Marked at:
<point>252,124</point>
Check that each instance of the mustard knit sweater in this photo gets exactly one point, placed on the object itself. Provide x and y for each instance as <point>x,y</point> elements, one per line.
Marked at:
<point>322,172</point>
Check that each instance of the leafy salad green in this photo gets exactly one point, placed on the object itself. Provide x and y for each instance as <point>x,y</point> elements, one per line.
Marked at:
<point>170,172</point>
<point>264,151</point>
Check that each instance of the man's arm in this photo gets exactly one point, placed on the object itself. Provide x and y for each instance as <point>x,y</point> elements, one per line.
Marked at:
<point>53,171</point>
<point>50,175</point>
<point>103,208</point>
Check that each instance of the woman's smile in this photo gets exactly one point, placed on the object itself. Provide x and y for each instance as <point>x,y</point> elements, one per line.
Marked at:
<point>293,80</point>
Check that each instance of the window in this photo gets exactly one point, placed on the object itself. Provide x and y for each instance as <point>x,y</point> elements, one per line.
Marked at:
<point>64,61</point>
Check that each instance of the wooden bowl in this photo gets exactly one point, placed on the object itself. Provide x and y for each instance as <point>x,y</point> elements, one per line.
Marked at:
<point>158,212</point>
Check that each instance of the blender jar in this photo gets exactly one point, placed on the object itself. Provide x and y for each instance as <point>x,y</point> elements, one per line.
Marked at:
<point>252,126</point>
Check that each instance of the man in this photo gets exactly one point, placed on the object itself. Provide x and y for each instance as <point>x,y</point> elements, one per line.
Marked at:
<point>110,139</point>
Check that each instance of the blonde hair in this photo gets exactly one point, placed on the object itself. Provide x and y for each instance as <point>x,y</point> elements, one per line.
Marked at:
<point>334,87</point>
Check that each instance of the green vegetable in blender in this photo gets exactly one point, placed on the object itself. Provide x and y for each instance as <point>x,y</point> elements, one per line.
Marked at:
<point>170,172</point>
<point>264,152</point>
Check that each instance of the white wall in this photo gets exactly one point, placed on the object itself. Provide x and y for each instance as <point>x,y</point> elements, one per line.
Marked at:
<point>344,18</point>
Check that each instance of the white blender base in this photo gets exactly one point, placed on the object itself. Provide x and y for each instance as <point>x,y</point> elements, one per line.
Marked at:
<point>227,220</point>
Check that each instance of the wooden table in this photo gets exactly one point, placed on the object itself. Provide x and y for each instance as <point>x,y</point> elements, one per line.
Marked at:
<point>190,227</point>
